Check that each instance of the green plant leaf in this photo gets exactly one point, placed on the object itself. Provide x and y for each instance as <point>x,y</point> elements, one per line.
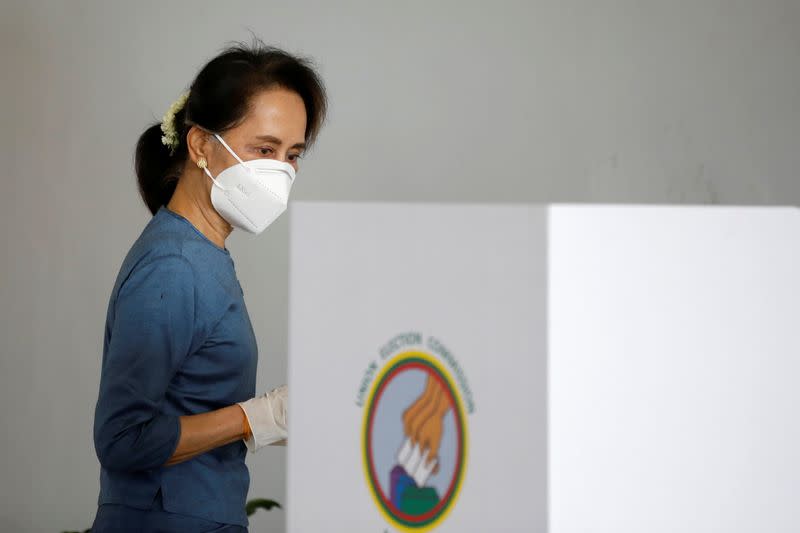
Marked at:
<point>260,503</point>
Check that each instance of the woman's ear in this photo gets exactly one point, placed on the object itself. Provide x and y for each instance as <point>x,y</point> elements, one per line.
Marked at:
<point>197,143</point>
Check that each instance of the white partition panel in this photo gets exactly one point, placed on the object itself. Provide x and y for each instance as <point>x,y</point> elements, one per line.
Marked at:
<point>674,353</point>
<point>459,287</point>
<point>564,368</point>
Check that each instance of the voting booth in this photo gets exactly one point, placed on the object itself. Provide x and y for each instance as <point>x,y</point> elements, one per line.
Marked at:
<point>565,368</point>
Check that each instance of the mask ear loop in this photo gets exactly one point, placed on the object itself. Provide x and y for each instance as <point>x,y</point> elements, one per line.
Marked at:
<point>216,183</point>
<point>228,148</point>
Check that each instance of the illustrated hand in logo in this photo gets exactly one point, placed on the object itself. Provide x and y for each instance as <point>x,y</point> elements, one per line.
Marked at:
<point>423,426</point>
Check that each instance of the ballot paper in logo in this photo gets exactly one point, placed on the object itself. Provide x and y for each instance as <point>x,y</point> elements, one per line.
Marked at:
<point>414,435</point>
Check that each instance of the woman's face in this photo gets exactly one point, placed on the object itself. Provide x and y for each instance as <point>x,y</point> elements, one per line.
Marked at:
<point>274,128</point>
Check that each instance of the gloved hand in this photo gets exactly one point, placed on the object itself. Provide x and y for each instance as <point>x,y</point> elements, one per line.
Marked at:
<point>266,415</point>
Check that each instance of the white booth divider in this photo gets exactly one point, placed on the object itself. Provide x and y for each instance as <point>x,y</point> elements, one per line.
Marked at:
<point>560,369</point>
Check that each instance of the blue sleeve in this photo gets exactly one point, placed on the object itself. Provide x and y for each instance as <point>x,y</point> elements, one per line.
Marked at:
<point>152,332</point>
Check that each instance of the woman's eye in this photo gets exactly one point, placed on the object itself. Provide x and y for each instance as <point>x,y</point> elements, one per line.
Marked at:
<point>295,157</point>
<point>264,151</point>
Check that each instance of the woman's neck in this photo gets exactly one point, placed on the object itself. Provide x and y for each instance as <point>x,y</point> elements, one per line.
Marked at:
<point>194,204</point>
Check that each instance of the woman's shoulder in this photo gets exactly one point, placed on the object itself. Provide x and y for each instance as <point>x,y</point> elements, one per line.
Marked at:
<point>166,250</point>
<point>167,236</point>
<point>159,274</point>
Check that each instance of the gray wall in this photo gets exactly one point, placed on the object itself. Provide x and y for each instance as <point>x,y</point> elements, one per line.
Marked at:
<point>627,101</point>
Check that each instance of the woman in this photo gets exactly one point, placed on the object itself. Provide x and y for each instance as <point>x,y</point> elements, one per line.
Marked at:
<point>176,411</point>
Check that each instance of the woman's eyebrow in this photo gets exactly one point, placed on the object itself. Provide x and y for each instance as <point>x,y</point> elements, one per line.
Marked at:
<point>273,139</point>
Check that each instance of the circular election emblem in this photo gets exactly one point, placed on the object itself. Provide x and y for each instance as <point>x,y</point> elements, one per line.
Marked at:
<point>414,441</point>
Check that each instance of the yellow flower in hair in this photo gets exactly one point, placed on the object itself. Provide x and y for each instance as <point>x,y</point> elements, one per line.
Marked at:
<point>170,137</point>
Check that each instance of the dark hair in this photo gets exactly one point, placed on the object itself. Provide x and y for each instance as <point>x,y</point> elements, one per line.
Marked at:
<point>219,99</point>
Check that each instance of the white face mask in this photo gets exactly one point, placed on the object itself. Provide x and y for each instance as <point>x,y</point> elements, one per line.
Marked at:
<point>250,195</point>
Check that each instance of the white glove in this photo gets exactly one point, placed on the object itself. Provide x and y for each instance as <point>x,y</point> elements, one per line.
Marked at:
<point>266,415</point>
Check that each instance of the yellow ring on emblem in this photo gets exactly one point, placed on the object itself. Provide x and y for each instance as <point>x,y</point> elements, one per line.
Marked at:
<point>393,362</point>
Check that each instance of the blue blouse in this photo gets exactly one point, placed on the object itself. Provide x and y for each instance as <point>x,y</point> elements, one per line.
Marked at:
<point>178,341</point>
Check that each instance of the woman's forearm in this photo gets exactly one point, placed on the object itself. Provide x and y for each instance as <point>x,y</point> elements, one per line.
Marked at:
<point>206,431</point>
